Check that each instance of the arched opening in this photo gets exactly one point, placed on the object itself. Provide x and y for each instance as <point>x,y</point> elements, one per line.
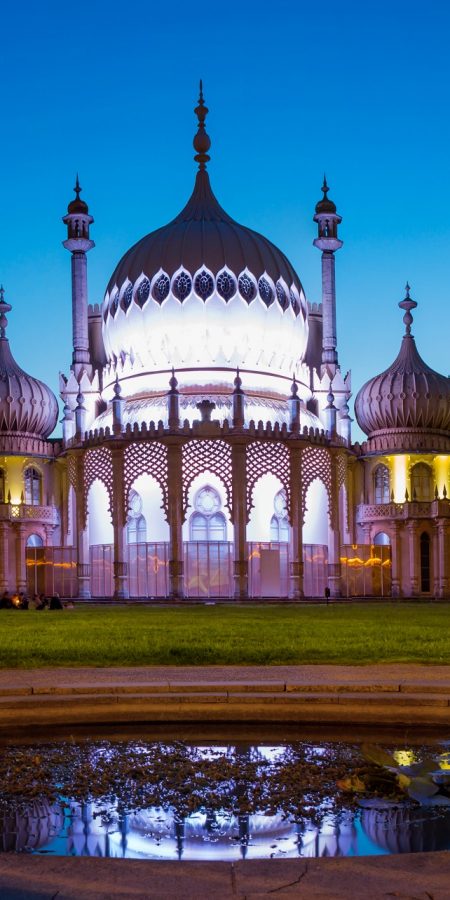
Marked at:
<point>315,540</point>
<point>208,535</point>
<point>33,486</point>
<point>268,534</point>
<point>382,486</point>
<point>35,564</point>
<point>2,486</point>
<point>101,537</point>
<point>147,534</point>
<point>421,483</point>
<point>425,560</point>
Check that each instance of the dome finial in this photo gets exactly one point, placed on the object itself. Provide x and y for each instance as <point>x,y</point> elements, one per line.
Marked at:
<point>325,187</point>
<point>202,142</point>
<point>4,308</point>
<point>77,187</point>
<point>407,304</point>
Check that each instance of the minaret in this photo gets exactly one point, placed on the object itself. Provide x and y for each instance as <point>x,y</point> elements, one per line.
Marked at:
<point>328,242</point>
<point>78,242</point>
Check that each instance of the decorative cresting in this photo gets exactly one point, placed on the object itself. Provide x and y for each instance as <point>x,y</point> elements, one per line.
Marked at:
<point>316,463</point>
<point>200,457</point>
<point>204,290</point>
<point>408,395</point>
<point>27,405</point>
<point>145,459</point>
<point>98,467</point>
<point>263,458</point>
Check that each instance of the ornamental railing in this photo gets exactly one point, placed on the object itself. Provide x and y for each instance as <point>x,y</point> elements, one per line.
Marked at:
<point>413,509</point>
<point>14,512</point>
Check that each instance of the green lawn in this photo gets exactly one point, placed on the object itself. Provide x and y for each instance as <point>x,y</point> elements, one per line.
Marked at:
<point>202,635</point>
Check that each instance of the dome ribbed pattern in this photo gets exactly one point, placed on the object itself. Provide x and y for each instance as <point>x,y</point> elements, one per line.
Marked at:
<point>27,405</point>
<point>203,234</point>
<point>408,395</point>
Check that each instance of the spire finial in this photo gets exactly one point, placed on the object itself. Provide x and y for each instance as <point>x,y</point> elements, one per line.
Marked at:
<point>78,187</point>
<point>202,142</point>
<point>325,187</point>
<point>407,304</point>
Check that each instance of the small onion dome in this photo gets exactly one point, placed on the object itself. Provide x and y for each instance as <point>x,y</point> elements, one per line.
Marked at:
<point>325,204</point>
<point>408,395</point>
<point>27,405</point>
<point>78,205</point>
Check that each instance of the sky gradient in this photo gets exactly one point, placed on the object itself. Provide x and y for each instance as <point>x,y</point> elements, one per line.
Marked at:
<point>357,90</point>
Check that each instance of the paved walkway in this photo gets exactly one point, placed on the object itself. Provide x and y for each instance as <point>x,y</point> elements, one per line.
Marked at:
<point>412,876</point>
<point>390,694</point>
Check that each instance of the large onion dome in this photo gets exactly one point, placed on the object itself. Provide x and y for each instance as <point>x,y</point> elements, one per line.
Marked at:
<point>27,405</point>
<point>204,292</point>
<point>408,396</point>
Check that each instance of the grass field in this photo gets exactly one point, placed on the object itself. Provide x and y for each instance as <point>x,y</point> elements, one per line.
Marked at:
<point>206,635</point>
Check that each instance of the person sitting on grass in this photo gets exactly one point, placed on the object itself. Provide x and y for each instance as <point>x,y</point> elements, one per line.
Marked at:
<point>43,602</point>
<point>55,602</point>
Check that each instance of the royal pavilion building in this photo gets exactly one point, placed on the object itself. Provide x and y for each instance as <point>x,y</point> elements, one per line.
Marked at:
<point>206,445</point>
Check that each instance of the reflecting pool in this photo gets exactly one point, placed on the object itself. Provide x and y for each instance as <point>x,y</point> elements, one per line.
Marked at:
<point>223,801</point>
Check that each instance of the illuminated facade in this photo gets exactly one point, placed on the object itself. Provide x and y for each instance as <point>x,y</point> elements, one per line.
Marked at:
<point>206,446</point>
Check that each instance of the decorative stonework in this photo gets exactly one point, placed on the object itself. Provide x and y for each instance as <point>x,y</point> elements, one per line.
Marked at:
<point>202,456</point>
<point>145,459</point>
<point>316,463</point>
<point>265,458</point>
<point>98,466</point>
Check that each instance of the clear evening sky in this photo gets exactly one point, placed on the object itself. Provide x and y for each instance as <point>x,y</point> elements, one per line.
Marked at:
<point>357,89</point>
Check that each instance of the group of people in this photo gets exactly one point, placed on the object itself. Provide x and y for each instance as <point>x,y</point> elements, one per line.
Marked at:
<point>20,600</point>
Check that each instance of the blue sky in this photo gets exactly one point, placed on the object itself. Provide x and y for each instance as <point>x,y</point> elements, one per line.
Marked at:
<point>359,90</point>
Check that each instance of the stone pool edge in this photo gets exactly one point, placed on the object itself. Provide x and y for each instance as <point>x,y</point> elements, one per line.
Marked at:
<point>396,694</point>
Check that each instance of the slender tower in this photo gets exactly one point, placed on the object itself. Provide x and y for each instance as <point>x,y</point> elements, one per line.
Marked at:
<point>78,242</point>
<point>328,242</point>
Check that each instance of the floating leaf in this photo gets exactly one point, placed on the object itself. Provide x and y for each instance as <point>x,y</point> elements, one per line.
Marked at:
<point>378,756</point>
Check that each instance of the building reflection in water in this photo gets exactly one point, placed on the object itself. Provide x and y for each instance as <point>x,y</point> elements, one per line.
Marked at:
<point>102,830</point>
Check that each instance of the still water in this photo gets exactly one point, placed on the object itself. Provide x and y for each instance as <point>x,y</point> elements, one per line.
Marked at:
<point>223,801</point>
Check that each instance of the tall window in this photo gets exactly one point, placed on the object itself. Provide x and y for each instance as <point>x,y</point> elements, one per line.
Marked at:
<point>382,484</point>
<point>136,524</point>
<point>207,522</point>
<point>279,523</point>
<point>421,482</point>
<point>2,486</point>
<point>32,479</point>
<point>425,580</point>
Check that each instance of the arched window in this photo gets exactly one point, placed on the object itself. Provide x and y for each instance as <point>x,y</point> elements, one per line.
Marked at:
<point>2,486</point>
<point>32,479</point>
<point>34,540</point>
<point>207,522</point>
<point>279,524</point>
<point>382,539</point>
<point>136,524</point>
<point>382,484</point>
<point>425,580</point>
<point>421,482</point>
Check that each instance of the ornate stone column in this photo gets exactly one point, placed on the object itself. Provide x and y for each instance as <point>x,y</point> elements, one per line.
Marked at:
<point>296,518</point>
<point>21,569</point>
<point>414,559</point>
<point>334,539</point>
<point>396,560</point>
<point>175,515</point>
<point>4,555</point>
<point>121,591</point>
<point>83,566</point>
<point>239,473</point>
<point>444,558</point>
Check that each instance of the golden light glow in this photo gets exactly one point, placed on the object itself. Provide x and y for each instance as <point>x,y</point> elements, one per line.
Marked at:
<point>399,470</point>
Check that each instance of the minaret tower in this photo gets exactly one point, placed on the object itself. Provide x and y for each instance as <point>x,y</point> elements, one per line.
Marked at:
<point>328,242</point>
<point>78,242</point>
